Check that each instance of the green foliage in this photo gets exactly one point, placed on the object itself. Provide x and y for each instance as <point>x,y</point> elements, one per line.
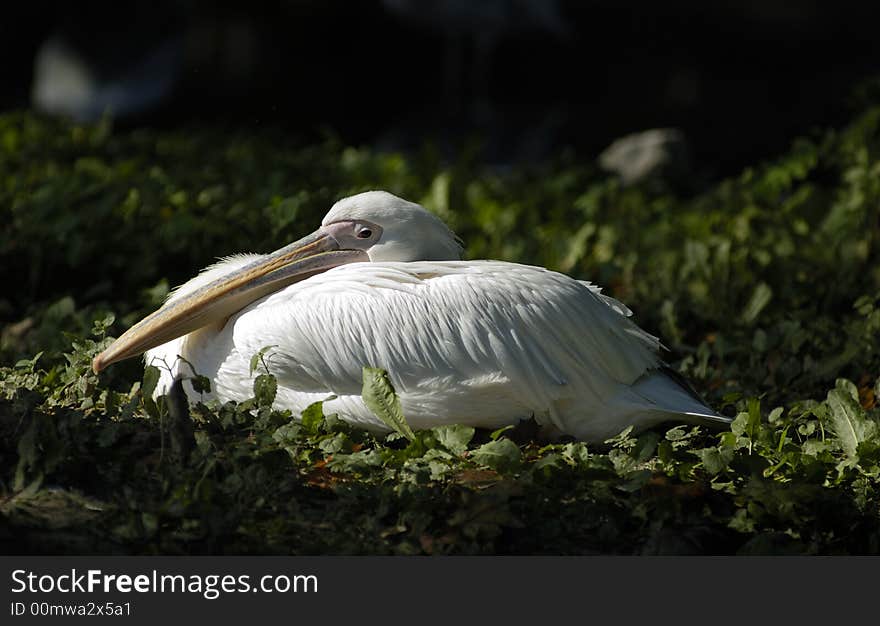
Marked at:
<point>766,288</point>
<point>501,454</point>
<point>378,394</point>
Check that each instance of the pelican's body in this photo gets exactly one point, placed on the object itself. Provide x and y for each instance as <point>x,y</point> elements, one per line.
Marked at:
<point>482,343</point>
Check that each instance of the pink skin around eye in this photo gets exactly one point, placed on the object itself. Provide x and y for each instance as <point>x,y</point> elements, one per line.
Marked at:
<point>340,231</point>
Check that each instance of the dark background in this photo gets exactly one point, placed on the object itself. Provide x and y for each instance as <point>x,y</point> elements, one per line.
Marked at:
<point>531,79</point>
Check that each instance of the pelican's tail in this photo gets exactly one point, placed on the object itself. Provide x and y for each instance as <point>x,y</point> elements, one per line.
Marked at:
<point>669,393</point>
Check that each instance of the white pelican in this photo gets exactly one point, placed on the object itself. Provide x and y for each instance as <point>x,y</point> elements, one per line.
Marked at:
<point>381,284</point>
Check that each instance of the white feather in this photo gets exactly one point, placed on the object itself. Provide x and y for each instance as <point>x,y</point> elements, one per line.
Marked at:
<point>482,343</point>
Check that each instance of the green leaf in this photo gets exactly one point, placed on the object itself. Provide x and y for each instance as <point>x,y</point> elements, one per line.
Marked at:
<point>454,438</point>
<point>150,380</point>
<point>715,460</point>
<point>775,415</point>
<point>148,386</point>
<point>847,418</point>
<point>501,455</point>
<point>753,423</point>
<point>495,434</point>
<point>334,443</point>
<point>100,326</point>
<point>576,452</point>
<point>201,384</point>
<point>379,396</point>
<point>645,446</point>
<point>258,358</point>
<point>312,417</point>
<point>623,438</point>
<point>265,388</point>
<point>761,297</point>
<point>549,461</point>
<point>848,387</point>
<point>29,364</point>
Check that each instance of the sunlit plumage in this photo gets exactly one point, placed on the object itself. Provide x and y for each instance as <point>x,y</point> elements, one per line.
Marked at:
<point>482,343</point>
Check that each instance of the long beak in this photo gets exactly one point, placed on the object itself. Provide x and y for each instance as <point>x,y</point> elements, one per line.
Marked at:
<point>228,294</point>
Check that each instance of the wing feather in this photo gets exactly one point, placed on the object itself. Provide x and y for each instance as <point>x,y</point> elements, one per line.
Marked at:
<point>549,336</point>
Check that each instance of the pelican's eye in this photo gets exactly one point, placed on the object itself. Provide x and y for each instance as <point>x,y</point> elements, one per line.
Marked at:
<point>364,233</point>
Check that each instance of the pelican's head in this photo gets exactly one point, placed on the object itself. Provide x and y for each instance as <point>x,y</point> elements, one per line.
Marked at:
<point>371,226</point>
<point>389,228</point>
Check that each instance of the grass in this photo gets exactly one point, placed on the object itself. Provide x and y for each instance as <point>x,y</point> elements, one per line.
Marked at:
<point>765,287</point>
